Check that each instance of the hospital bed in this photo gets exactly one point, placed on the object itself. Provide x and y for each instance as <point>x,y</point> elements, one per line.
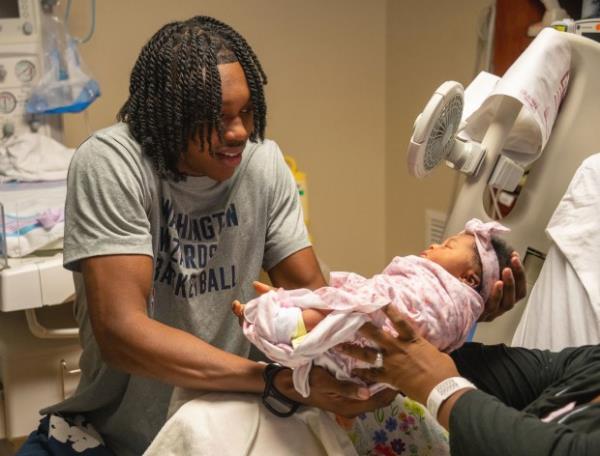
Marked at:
<point>574,138</point>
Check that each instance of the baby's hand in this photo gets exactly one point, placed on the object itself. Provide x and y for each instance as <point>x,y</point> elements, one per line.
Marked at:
<point>238,309</point>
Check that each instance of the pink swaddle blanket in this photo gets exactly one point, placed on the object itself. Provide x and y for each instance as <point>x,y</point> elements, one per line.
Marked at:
<point>440,307</point>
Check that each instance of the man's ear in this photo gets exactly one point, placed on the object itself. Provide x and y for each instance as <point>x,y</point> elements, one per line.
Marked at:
<point>471,278</point>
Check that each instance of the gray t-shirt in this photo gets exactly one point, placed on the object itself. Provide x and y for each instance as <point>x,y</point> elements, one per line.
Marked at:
<point>208,241</point>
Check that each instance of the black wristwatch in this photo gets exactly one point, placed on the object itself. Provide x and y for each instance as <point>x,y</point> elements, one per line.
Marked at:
<point>276,403</point>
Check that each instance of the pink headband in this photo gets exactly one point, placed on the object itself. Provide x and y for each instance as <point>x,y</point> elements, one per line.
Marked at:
<point>483,233</point>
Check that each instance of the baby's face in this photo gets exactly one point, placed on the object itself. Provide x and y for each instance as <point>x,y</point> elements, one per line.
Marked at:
<point>456,255</point>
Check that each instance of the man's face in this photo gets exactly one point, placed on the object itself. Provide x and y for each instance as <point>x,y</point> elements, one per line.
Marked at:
<point>237,121</point>
<point>455,255</point>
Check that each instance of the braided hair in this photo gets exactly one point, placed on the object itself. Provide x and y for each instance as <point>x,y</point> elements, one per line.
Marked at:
<point>175,89</point>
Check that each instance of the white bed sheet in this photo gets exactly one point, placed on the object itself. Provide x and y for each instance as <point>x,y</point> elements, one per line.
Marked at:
<point>233,424</point>
<point>564,305</point>
<point>560,313</point>
<point>24,203</point>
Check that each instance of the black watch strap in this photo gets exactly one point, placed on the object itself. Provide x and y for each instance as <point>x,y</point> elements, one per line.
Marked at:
<point>276,403</point>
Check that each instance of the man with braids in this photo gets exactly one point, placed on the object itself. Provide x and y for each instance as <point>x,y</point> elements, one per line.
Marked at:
<point>170,216</point>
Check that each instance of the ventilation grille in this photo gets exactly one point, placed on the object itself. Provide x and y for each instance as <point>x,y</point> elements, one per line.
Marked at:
<point>435,222</point>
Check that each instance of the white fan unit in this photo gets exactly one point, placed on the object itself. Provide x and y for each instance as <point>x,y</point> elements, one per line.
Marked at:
<point>434,135</point>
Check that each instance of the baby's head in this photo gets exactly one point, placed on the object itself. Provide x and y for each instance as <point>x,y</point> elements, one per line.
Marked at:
<point>475,256</point>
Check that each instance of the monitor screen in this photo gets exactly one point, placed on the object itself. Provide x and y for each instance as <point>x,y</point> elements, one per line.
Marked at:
<point>9,9</point>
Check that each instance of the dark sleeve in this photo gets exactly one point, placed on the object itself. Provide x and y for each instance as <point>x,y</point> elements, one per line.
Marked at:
<point>516,376</point>
<point>482,425</point>
<point>489,422</point>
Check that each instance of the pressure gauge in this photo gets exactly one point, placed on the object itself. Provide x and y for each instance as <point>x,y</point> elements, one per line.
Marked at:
<point>8,102</point>
<point>25,70</point>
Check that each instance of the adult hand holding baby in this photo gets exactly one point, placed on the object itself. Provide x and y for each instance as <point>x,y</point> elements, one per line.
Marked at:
<point>409,362</point>
<point>346,399</point>
<point>506,292</point>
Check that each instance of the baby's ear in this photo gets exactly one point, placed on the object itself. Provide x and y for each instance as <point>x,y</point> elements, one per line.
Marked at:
<point>471,278</point>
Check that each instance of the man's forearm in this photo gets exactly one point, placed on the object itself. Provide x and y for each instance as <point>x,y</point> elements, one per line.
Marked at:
<point>148,348</point>
<point>299,270</point>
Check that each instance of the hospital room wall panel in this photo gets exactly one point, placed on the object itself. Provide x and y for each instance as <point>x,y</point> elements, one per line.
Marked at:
<point>326,95</point>
<point>327,102</point>
<point>428,42</point>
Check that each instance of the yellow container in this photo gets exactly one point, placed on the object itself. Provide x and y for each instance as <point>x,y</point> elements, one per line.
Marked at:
<point>300,179</point>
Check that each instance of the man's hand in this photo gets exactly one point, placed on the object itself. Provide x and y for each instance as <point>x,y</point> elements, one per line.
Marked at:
<point>410,363</point>
<point>506,292</point>
<point>347,399</point>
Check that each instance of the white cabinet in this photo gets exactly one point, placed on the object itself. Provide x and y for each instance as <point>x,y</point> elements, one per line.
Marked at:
<point>34,372</point>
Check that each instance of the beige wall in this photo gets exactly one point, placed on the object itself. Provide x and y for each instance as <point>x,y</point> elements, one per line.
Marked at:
<point>326,93</point>
<point>347,78</point>
<point>428,42</point>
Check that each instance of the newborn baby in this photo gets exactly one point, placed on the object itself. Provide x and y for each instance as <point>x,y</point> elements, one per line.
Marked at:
<point>442,292</point>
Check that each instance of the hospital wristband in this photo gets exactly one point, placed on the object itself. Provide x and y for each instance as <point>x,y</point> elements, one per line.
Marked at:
<point>443,391</point>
